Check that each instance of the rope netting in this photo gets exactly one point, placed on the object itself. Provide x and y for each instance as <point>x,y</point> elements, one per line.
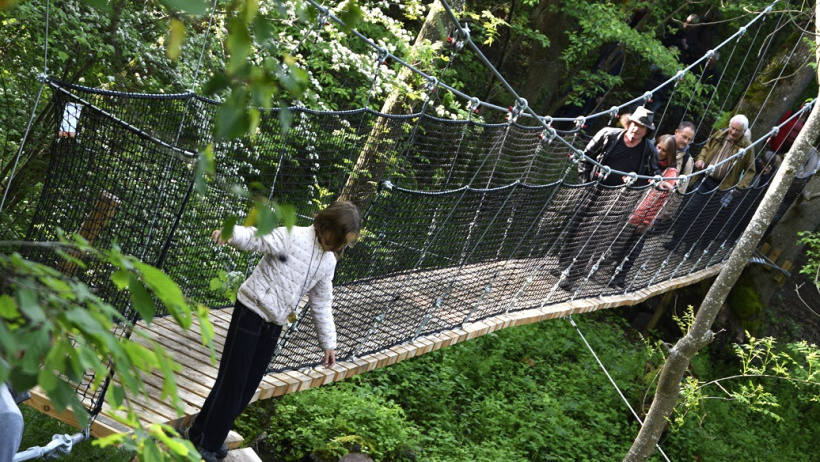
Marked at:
<point>463,220</point>
<point>491,213</point>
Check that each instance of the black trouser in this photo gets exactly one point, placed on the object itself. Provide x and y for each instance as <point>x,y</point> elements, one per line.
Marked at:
<point>586,235</point>
<point>683,232</point>
<point>248,350</point>
<point>625,250</point>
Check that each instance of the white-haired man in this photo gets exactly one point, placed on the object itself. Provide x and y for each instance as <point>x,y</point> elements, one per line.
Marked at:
<point>722,145</point>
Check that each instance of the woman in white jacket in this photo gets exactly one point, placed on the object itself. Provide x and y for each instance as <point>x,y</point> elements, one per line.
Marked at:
<point>296,262</point>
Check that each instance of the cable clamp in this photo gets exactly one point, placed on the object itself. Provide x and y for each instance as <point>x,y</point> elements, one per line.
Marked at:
<point>647,97</point>
<point>42,77</point>
<point>382,56</point>
<point>466,30</point>
<point>604,172</point>
<point>432,82</point>
<point>658,179</point>
<point>613,112</point>
<point>580,122</point>
<point>774,132</point>
<point>680,75</point>
<point>547,135</point>
<point>515,110</point>
<point>630,178</point>
<point>472,105</point>
<point>576,156</point>
<point>324,15</point>
<point>742,31</point>
<point>385,185</point>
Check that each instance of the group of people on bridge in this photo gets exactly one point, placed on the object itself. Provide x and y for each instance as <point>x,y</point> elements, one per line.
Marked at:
<point>667,158</point>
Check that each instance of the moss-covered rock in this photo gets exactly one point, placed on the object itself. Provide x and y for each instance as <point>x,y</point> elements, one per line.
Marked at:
<point>745,305</point>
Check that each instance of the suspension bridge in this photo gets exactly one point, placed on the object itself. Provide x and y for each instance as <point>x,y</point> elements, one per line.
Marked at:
<point>462,232</point>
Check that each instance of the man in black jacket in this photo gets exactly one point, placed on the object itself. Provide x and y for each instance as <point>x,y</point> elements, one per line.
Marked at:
<point>620,149</point>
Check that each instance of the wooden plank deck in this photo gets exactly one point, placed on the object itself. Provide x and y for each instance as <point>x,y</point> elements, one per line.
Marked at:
<point>198,374</point>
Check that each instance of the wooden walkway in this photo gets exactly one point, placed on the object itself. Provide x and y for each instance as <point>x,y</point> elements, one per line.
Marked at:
<point>198,374</point>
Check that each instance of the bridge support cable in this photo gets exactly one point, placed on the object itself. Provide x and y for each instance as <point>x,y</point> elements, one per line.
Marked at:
<point>612,381</point>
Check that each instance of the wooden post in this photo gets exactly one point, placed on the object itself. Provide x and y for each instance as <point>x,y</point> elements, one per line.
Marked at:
<point>104,210</point>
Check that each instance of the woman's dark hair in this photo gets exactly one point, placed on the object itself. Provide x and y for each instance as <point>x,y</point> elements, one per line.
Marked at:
<point>334,224</point>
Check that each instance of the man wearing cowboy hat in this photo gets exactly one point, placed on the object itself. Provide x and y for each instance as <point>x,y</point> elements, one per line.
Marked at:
<point>622,149</point>
<point>625,150</point>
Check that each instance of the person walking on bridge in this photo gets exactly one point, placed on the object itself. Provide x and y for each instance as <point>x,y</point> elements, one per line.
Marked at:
<point>721,173</point>
<point>628,149</point>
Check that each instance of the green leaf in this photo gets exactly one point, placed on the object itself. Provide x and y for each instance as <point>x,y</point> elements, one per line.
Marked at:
<point>151,451</point>
<point>120,279</point>
<point>227,228</point>
<point>84,321</point>
<point>287,213</point>
<point>30,305</point>
<point>163,286</point>
<point>8,309</point>
<point>216,84</point>
<point>141,299</point>
<point>238,44</point>
<point>176,35</point>
<point>116,395</point>
<point>266,219</point>
<point>262,29</point>
<point>194,7</point>
<point>351,15</point>
<point>232,119</point>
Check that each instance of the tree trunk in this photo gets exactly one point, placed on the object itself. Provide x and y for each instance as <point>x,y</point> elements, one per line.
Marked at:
<point>370,166</point>
<point>786,76</point>
<point>700,332</point>
<point>546,67</point>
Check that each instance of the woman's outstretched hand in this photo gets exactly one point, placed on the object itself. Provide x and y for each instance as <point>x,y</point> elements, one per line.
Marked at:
<point>330,358</point>
<point>216,236</point>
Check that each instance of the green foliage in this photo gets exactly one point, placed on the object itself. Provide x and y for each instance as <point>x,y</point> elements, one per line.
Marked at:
<point>227,284</point>
<point>535,393</point>
<point>812,243</point>
<point>329,423</point>
<point>56,333</point>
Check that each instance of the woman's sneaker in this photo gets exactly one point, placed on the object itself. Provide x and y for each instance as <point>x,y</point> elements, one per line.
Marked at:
<point>221,453</point>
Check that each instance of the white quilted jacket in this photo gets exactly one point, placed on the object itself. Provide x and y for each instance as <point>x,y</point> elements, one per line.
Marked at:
<point>293,264</point>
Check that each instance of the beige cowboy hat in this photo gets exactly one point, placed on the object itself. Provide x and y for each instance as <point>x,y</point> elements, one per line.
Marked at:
<point>643,116</point>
